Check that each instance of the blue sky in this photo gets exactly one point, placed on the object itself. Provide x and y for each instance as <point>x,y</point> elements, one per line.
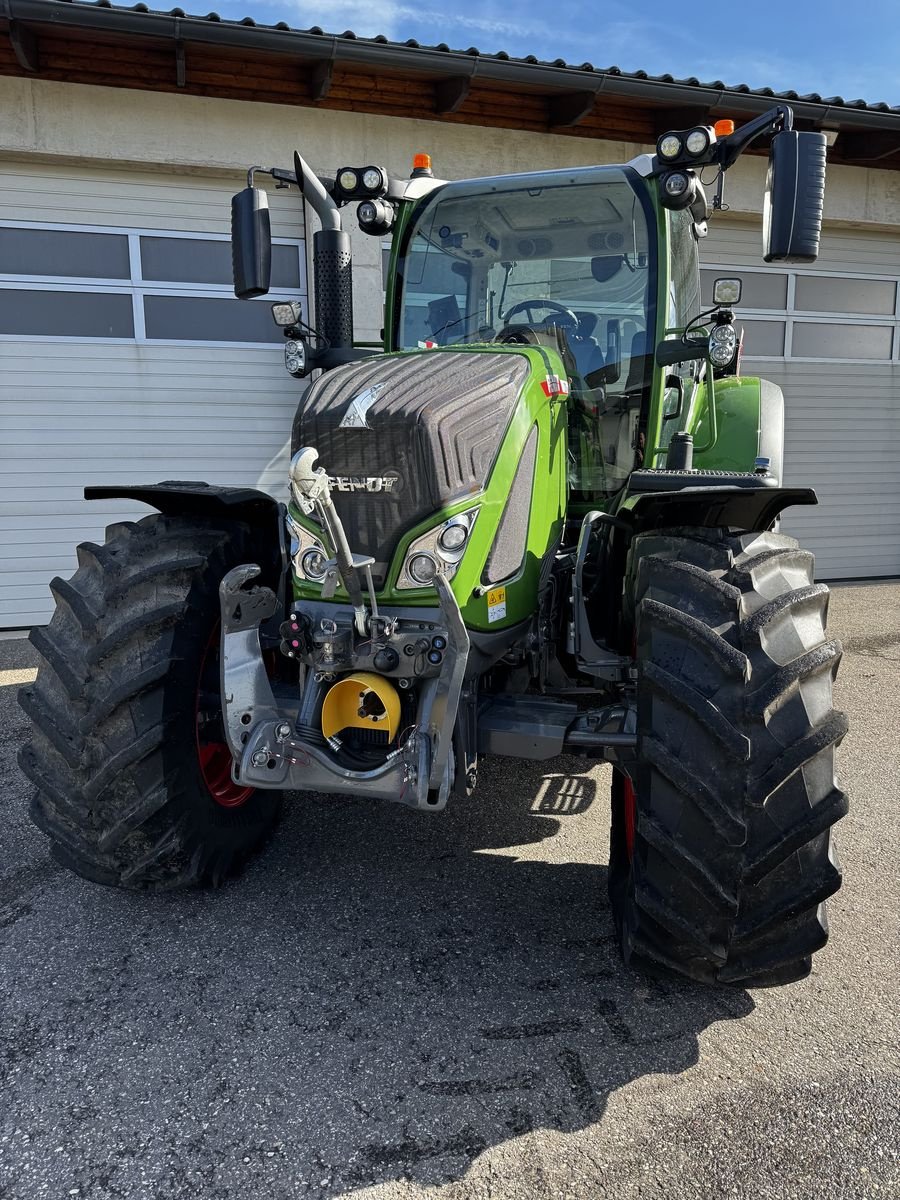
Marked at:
<point>830,47</point>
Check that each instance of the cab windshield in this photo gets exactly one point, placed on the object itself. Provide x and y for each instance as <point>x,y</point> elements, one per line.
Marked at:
<point>561,259</point>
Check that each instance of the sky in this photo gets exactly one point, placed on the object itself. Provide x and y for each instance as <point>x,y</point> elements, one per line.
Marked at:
<point>831,47</point>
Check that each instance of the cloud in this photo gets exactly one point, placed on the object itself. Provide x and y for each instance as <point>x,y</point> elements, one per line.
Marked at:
<point>394,20</point>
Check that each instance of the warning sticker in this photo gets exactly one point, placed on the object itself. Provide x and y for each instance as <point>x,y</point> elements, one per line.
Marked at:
<point>496,599</point>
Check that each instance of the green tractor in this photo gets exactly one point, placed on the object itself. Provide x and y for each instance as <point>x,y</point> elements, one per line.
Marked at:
<point>541,518</point>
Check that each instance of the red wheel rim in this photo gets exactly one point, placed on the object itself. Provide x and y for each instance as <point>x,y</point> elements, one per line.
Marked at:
<point>629,810</point>
<point>215,767</point>
<point>214,756</point>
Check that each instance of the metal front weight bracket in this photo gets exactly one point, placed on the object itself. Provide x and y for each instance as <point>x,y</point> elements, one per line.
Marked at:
<point>273,755</point>
<point>247,696</point>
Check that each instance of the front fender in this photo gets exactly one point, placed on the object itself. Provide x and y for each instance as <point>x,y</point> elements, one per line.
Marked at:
<point>193,498</point>
<point>211,502</point>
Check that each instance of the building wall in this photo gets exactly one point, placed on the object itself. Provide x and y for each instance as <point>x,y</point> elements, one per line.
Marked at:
<point>168,132</point>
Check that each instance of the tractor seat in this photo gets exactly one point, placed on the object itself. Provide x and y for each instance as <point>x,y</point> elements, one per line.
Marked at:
<point>586,350</point>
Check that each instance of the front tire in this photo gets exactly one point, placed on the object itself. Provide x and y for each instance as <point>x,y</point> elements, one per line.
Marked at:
<point>721,857</point>
<point>133,788</point>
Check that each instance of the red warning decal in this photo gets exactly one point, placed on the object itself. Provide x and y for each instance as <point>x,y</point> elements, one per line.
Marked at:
<point>554,386</point>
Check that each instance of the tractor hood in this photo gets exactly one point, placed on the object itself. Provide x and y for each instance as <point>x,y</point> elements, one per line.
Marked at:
<point>407,435</point>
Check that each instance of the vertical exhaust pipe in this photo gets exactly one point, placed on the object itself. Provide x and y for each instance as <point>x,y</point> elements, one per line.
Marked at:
<point>332,262</point>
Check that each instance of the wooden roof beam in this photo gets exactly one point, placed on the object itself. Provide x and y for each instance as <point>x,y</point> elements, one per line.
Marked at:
<point>863,148</point>
<point>570,108</point>
<point>25,45</point>
<point>450,94</point>
<point>321,76</point>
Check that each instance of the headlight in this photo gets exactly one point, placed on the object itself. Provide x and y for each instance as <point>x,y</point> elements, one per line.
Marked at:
<point>697,141</point>
<point>441,548</point>
<point>669,146</point>
<point>307,553</point>
<point>295,357</point>
<point>348,180</point>
<point>453,537</point>
<point>312,564</point>
<point>722,345</point>
<point>678,189</point>
<point>375,216</point>
<point>422,569</point>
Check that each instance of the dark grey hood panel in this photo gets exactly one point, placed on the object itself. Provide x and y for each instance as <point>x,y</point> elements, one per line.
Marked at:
<point>404,437</point>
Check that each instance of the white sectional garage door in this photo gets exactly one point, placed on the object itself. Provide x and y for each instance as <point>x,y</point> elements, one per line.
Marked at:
<point>124,357</point>
<point>829,336</point>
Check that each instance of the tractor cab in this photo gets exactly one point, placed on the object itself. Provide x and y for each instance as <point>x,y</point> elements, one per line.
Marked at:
<point>562,260</point>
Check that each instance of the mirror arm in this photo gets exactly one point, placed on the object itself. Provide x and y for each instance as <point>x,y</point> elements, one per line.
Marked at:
<point>776,120</point>
<point>678,350</point>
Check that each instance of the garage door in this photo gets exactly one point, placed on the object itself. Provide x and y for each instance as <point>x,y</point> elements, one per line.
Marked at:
<point>124,356</point>
<point>829,336</point>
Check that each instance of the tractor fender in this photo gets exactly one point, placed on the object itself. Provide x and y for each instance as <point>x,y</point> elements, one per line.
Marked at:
<point>192,498</point>
<point>713,501</point>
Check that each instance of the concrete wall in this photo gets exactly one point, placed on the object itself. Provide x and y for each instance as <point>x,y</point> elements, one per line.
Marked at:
<point>171,132</point>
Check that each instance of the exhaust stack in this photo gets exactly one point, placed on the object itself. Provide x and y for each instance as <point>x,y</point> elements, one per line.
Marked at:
<point>332,262</point>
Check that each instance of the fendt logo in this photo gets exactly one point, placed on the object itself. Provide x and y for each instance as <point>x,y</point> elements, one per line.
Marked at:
<point>364,483</point>
<point>355,416</point>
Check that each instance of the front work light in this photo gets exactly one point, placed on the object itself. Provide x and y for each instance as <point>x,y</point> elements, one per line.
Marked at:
<point>688,146</point>
<point>669,147</point>
<point>359,183</point>
<point>727,292</point>
<point>287,314</point>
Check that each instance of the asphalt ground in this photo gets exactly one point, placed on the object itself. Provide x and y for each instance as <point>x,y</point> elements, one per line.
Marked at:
<point>390,1004</point>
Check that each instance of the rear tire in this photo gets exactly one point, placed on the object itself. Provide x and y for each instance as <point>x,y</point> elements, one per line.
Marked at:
<point>125,709</point>
<point>734,793</point>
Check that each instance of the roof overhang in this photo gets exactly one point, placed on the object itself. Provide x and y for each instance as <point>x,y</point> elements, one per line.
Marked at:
<point>97,43</point>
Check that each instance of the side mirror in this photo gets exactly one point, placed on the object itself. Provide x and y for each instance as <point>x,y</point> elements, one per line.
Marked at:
<point>795,195</point>
<point>251,243</point>
<point>673,398</point>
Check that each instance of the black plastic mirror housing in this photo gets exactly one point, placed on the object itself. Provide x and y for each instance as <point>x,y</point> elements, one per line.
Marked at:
<point>677,350</point>
<point>795,197</point>
<point>251,243</point>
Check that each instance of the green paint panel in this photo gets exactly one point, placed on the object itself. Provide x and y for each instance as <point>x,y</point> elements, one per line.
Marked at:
<point>736,425</point>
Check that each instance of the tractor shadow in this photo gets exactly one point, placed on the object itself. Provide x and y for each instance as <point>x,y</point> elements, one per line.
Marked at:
<point>383,996</point>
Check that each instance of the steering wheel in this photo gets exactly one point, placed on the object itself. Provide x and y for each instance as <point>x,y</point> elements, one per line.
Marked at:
<point>570,321</point>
